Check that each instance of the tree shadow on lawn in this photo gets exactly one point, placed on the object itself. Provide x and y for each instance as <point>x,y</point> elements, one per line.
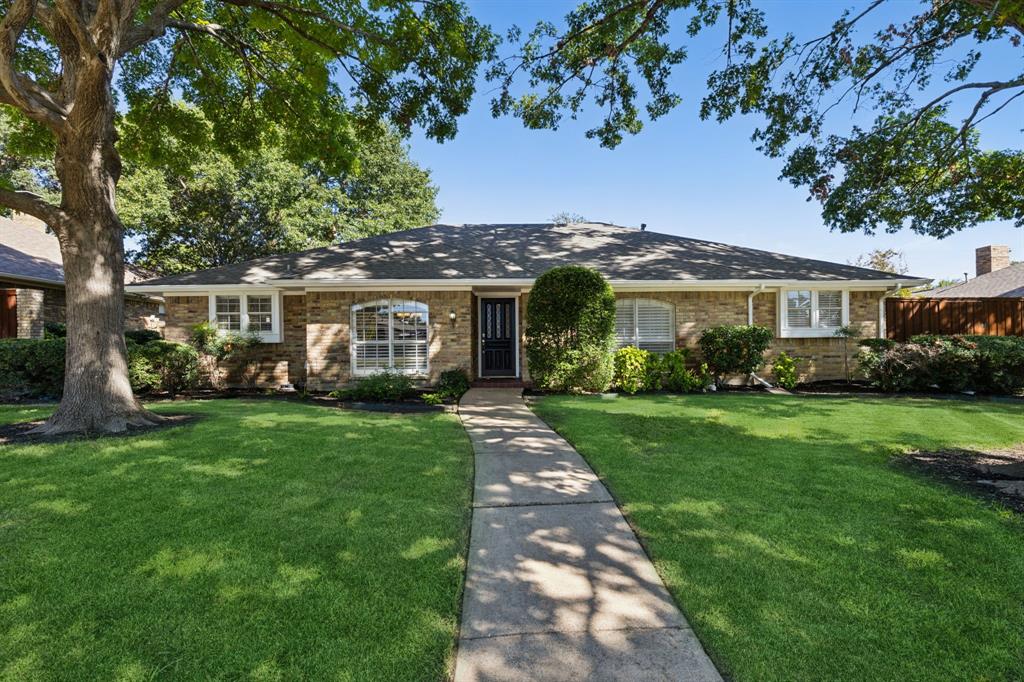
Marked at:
<point>797,551</point>
<point>294,541</point>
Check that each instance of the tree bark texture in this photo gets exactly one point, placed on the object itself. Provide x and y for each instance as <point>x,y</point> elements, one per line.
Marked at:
<point>97,394</point>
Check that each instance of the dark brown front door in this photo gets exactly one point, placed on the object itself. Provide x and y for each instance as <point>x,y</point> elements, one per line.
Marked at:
<point>8,313</point>
<point>498,337</point>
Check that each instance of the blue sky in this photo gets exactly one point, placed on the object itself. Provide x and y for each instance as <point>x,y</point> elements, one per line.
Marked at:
<point>679,175</point>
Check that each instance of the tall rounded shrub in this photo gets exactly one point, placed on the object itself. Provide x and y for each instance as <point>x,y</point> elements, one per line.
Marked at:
<point>570,330</point>
<point>735,348</point>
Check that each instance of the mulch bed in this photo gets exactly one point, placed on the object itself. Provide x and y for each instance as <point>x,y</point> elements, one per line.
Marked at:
<point>21,433</point>
<point>994,475</point>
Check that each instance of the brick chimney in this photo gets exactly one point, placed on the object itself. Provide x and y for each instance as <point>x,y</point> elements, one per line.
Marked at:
<point>990,258</point>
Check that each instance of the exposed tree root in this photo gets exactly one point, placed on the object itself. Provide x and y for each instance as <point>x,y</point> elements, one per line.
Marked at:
<point>96,421</point>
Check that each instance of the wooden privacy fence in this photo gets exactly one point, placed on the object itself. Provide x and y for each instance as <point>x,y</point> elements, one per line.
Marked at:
<point>907,317</point>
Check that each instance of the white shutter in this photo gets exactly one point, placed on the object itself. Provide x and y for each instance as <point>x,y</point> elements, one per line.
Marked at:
<point>625,322</point>
<point>798,309</point>
<point>654,326</point>
<point>830,309</point>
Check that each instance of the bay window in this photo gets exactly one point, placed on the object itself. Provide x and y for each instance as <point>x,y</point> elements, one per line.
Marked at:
<point>390,334</point>
<point>646,324</point>
<point>813,312</point>
<point>238,313</point>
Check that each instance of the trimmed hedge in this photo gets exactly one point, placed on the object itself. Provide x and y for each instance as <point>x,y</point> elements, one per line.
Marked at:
<point>35,367</point>
<point>735,348</point>
<point>32,367</point>
<point>988,364</point>
<point>571,318</point>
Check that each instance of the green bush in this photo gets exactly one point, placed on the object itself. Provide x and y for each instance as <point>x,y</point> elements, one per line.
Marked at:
<point>433,399</point>
<point>380,387</point>
<point>583,370</point>
<point>992,364</point>
<point>55,330</point>
<point>177,364</point>
<point>142,335</point>
<point>35,367</point>
<point>632,366</point>
<point>784,370</point>
<point>32,367</point>
<point>141,373</point>
<point>639,370</point>
<point>676,377</point>
<point>571,318</point>
<point>735,349</point>
<point>203,335</point>
<point>1001,363</point>
<point>877,344</point>
<point>452,384</point>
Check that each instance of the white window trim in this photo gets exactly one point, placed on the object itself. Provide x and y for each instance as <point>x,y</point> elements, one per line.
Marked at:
<point>356,372</point>
<point>636,319</point>
<point>274,335</point>
<point>814,331</point>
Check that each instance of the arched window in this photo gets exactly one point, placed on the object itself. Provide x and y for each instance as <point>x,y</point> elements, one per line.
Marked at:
<point>389,334</point>
<point>646,324</point>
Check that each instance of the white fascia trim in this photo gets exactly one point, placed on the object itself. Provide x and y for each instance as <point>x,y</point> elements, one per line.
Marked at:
<point>15,279</point>
<point>525,282</point>
<point>197,289</point>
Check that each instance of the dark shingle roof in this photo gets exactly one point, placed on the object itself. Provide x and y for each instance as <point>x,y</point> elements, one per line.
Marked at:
<point>524,251</point>
<point>29,253</point>
<point>1006,282</point>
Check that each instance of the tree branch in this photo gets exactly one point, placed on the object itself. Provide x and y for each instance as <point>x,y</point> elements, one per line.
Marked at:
<point>153,27</point>
<point>34,205</point>
<point>18,89</point>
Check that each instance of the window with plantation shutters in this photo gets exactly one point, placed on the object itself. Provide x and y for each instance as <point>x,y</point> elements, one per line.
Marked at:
<point>813,312</point>
<point>646,324</point>
<point>389,334</point>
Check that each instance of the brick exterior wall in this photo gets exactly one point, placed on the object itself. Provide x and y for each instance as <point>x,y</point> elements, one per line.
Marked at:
<point>31,310</point>
<point>315,347</point>
<point>271,365</point>
<point>36,307</point>
<point>328,334</point>
<point>817,358</point>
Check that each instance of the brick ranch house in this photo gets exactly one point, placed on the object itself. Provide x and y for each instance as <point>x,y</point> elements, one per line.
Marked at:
<point>455,296</point>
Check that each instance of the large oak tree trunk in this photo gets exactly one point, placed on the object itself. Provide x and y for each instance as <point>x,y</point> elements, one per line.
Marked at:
<point>97,393</point>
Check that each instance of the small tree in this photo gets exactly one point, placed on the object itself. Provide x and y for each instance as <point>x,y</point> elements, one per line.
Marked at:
<point>846,333</point>
<point>735,348</point>
<point>570,332</point>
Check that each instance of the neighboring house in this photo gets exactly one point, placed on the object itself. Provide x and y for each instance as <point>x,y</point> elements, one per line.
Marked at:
<point>32,283</point>
<point>447,296</point>
<point>996,277</point>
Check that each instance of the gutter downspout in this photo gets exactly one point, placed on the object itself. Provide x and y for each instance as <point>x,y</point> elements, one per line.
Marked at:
<point>881,309</point>
<point>750,320</point>
<point>750,303</point>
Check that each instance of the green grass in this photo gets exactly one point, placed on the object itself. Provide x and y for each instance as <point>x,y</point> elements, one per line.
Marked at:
<point>798,549</point>
<point>267,541</point>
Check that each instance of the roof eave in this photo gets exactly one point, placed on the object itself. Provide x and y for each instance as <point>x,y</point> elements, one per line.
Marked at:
<point>469,283</point>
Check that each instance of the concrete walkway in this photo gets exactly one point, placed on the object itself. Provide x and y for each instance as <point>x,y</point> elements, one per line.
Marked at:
<point>557,587</point>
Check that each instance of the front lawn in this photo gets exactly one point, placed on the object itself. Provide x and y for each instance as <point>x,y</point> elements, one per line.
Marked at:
<point>798,550</point>
<point>267,541</point>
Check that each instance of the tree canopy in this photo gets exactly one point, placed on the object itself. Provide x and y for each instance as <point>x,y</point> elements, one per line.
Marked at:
<point>221,210</point>
<point>915,88</point>
<point>90,84</point>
